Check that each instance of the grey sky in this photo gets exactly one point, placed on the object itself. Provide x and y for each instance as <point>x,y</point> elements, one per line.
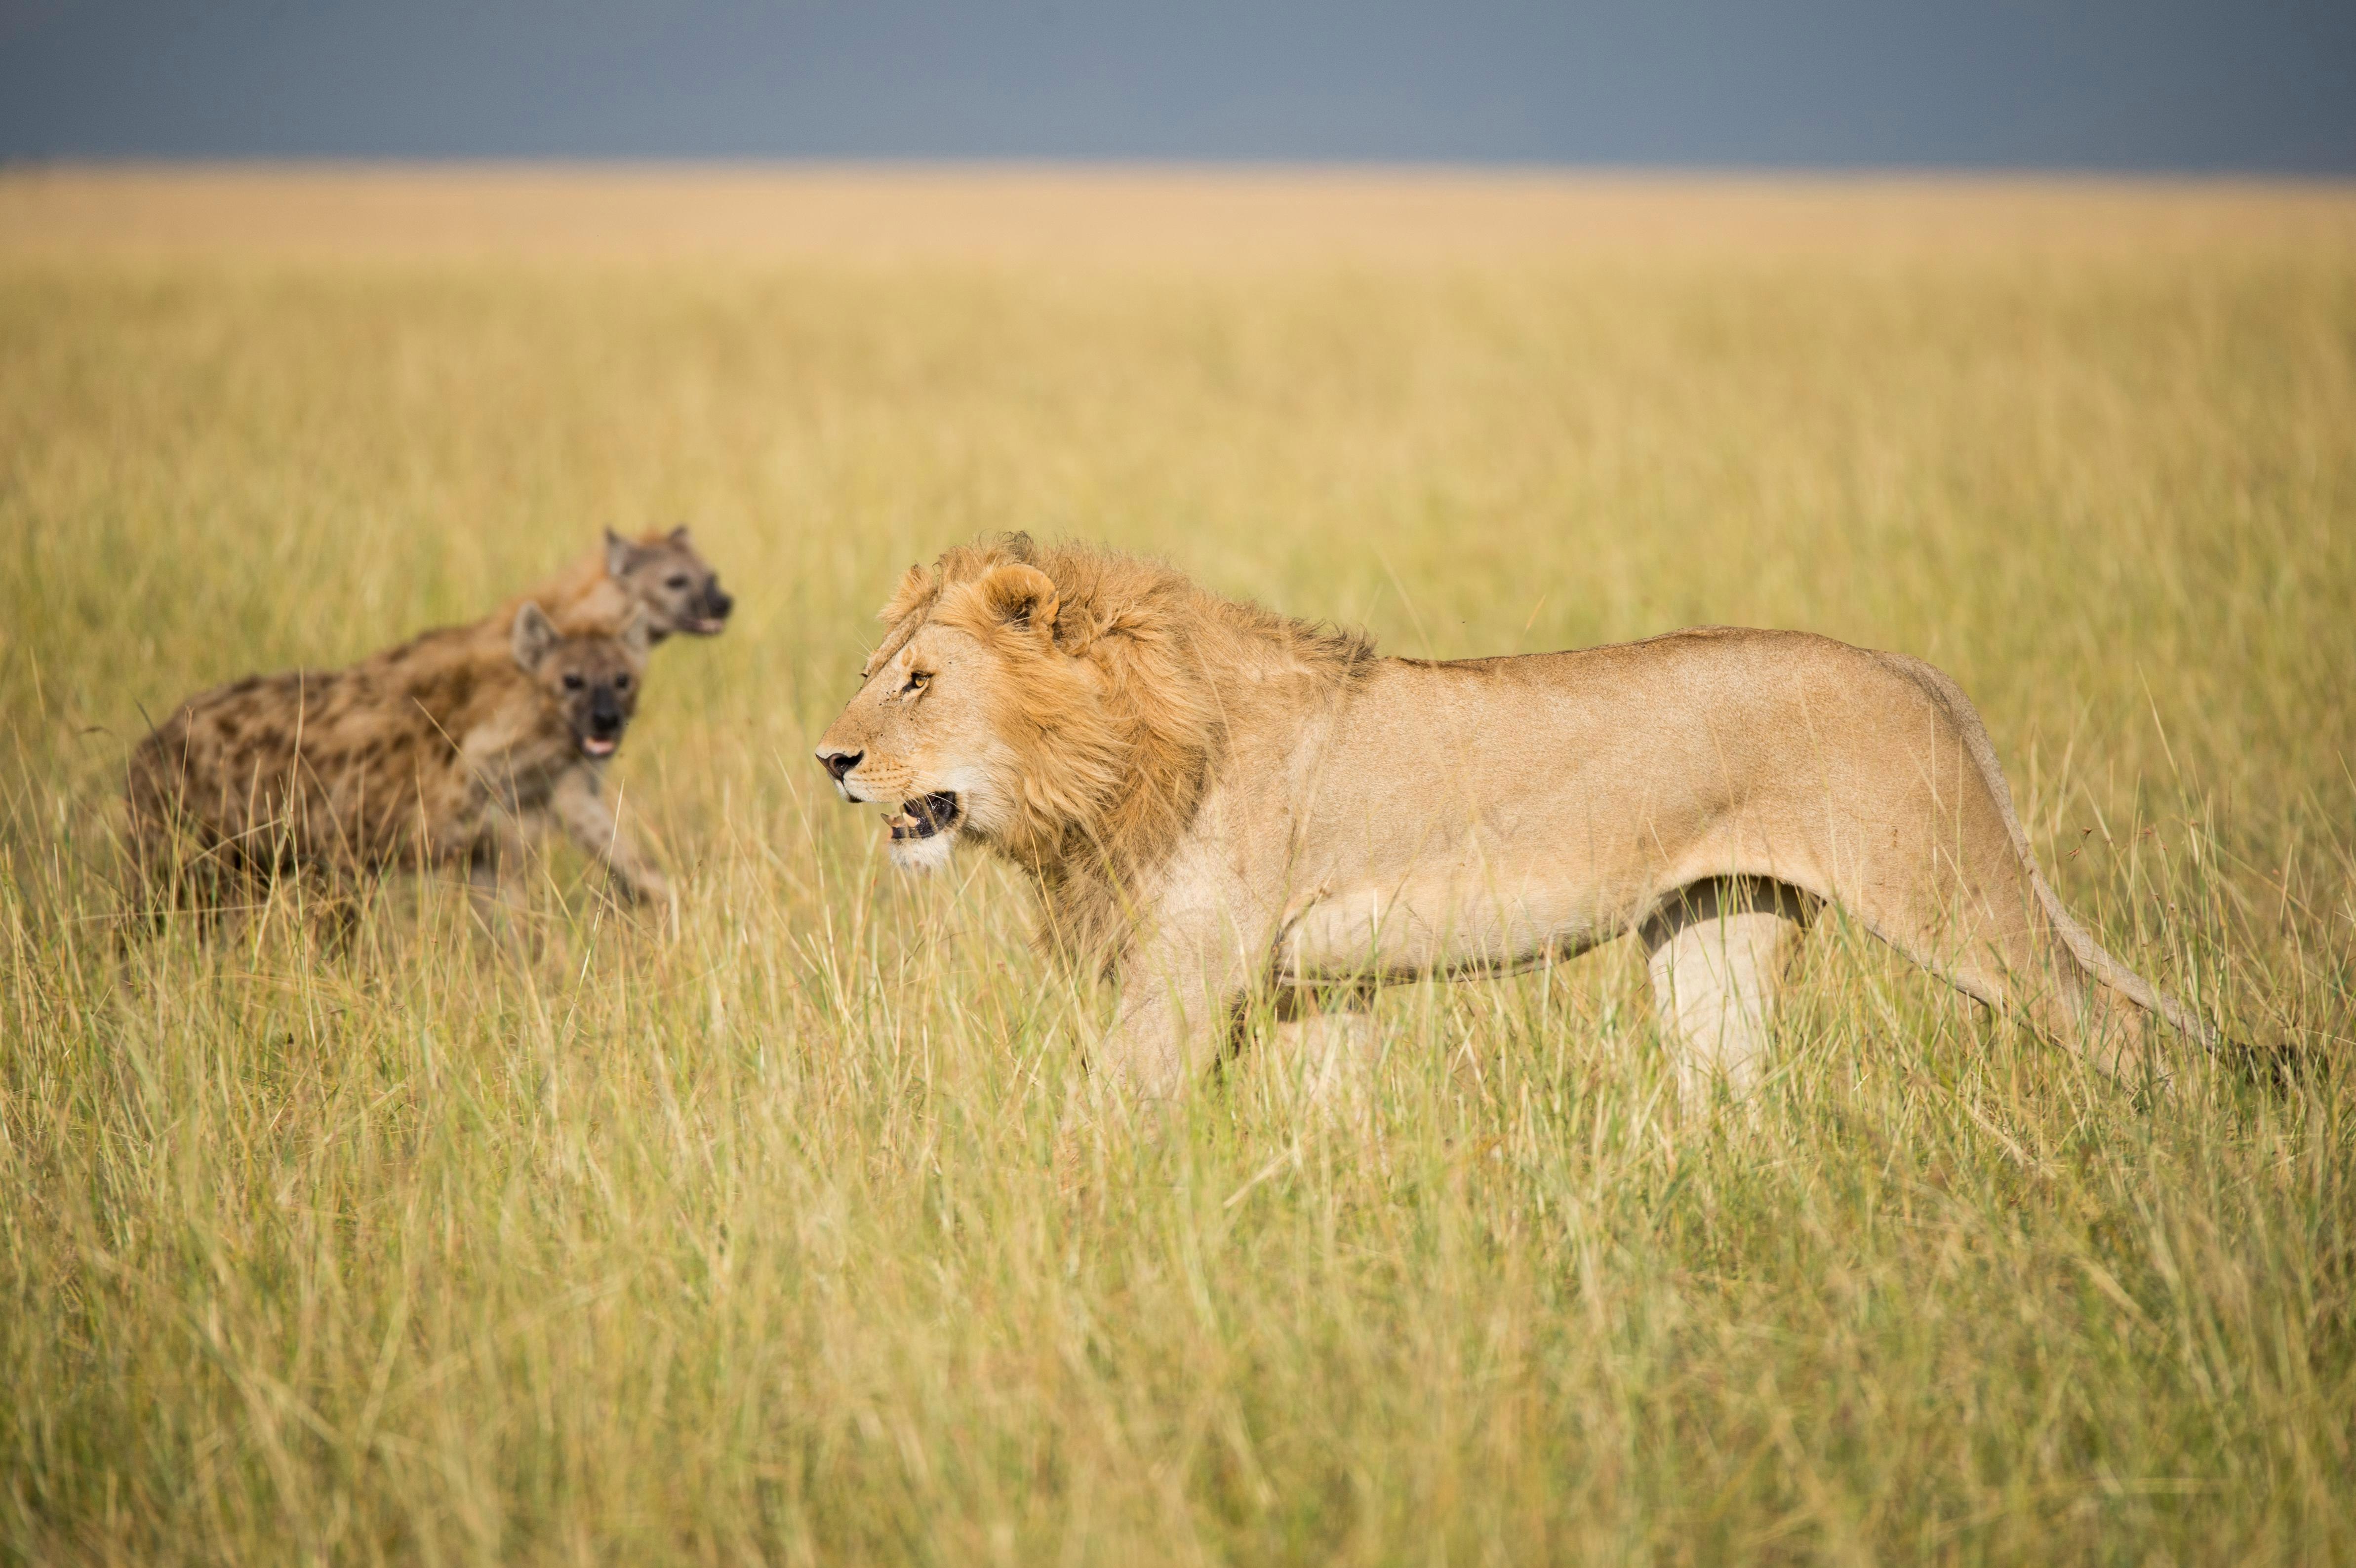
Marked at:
<point>2163,84</point>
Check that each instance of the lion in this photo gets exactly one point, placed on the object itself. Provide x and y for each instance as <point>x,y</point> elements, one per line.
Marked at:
<point>1217,803</point>
<point>398,761</point>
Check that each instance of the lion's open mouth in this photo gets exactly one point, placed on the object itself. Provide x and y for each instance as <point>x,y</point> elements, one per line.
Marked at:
<point>924,817</point>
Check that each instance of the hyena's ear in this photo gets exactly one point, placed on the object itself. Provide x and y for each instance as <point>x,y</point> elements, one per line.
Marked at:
<point>679,536</point>
<point>639,637</point>
<point>535,634</point>
<point>915,588</point>
<point>618,551</point>
<point>1020,597</point>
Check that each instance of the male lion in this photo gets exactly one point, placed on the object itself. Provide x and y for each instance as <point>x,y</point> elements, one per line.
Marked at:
<point>1214,798</point>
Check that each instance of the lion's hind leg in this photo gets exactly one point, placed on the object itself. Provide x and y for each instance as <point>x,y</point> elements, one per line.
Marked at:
<point>1717,952</point>
<point>1988,933</point>
<point>1963,898</point>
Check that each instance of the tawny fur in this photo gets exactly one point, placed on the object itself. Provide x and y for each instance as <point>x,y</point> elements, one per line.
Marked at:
<point>1214,798</point>
<point>434,752</point>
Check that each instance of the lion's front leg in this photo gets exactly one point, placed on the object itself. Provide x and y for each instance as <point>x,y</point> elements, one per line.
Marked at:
<point>1330,1059</point>
<point>1324,1040</point>
<point>1179,993</point>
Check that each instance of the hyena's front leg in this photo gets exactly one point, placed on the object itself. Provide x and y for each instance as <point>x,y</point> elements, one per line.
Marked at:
<point>491,863</point>
<point>580,804</point>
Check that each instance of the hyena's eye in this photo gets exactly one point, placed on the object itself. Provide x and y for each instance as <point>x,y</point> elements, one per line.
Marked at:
<point>678,579</point>
<point>572,683</point>
<point>621,682</point>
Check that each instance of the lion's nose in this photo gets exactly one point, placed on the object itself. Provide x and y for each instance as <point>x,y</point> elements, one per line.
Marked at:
<point>839,764</point>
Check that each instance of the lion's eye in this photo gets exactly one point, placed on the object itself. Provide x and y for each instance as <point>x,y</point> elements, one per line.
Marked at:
<point>917,681</point>
<point>572,683</point>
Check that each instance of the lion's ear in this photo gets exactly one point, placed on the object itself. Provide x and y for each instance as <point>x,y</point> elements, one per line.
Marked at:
<point>1022,596</point>
<point>916,587</point>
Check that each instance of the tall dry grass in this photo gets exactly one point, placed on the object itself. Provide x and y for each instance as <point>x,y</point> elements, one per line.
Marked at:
<point>749,1240</point>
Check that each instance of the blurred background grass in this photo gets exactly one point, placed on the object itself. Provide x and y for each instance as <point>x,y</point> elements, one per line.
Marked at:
<point>749,1239</point>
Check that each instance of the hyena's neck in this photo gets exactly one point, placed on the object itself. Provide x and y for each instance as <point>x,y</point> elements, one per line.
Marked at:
<point>582,597</point>
<point>517,759</point>
<point>488,712</point>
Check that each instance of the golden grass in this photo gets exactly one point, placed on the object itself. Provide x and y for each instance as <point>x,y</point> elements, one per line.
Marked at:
<point>749,1241</point>
<point>1059,218</point>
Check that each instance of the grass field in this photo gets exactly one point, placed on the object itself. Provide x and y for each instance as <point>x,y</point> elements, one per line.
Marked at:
<point>784,1235</point>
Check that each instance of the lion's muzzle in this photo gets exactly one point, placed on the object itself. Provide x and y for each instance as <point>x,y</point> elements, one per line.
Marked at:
<point>838,761</point>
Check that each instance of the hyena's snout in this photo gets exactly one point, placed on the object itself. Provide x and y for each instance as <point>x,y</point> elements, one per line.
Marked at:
<point>600,719</point>
<point>605,715</point>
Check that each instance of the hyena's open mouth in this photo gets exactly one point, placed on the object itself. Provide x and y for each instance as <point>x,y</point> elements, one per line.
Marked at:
<point>924,817</point>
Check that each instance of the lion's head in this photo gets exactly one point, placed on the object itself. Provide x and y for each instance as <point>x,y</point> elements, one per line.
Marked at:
<point>1062,706</point>
<point>975,717</point>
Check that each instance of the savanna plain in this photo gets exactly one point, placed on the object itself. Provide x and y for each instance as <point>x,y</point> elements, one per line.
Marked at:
<point>788,1230</point>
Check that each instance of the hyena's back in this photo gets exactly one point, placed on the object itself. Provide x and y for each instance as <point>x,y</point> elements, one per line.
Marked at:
<point>325,768</point>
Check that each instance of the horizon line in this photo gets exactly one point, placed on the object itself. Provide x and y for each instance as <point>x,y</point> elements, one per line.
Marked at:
<point>1532,170</point>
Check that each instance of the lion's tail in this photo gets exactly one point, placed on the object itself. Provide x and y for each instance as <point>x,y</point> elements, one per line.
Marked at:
<point>2097,965</point>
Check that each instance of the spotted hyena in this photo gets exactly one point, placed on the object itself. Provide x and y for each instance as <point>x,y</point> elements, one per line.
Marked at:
<point>660,573</point>
<point>440,752</point>
<point>661,576</point>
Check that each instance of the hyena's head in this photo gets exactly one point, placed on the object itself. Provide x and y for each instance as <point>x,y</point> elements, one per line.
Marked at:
<point>592,681</point>
<point>675,586</point>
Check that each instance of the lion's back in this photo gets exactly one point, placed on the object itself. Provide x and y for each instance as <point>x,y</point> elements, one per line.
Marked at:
<point>1702,715</point>
<point>1669,672</point>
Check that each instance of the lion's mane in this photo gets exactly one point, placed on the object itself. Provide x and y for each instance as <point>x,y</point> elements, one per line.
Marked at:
<point>1115,744</point>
